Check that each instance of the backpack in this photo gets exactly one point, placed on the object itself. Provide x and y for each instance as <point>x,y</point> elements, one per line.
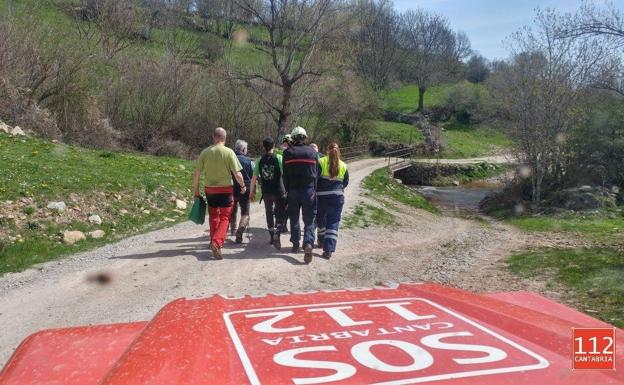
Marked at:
<point>270,175</point>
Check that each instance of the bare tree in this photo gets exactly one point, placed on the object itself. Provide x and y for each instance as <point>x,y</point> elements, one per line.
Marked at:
<point>377,41</point>
<point>112,23</point>
<point>540,93</point>
<point>432,51</point>
<point>296,30</point>
<point>607,26</point>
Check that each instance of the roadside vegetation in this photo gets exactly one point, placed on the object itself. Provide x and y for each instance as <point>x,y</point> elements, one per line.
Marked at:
<point>592,278</point>
<point>130,193</point>
<point>390,196</point>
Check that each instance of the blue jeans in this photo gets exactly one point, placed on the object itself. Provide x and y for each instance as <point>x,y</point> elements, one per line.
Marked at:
<point>304,201</point>
<point>328,220</point>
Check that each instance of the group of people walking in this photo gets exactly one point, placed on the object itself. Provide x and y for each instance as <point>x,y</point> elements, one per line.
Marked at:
<point>295,181</point>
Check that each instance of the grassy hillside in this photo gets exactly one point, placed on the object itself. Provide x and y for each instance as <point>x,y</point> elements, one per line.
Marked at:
<point>395,132</point>
<point>131,193</point>
<point>469,141</point>
<point>405,99</point>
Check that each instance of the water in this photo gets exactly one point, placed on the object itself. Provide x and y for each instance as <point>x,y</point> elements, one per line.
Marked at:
<point>465,197</point>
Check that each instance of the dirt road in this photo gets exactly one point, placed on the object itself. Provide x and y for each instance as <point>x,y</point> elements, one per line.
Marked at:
<point>149,270</point>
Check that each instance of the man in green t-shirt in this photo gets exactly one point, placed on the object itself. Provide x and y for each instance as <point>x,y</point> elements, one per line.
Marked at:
<point>218,163</point>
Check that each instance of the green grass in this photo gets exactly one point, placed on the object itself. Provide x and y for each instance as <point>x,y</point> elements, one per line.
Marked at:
<point>405,99</point>
<point>366,215</point>
<point>596,276</point>
<point>469,141</point>
<point>392,132</point>
<point>381,186</point>
<point>34,172</point>
<point>593,225</point>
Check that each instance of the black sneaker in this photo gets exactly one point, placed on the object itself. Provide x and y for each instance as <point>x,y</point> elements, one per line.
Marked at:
<point>326,255</point>
<point>277,243</point>
<point>239,235</point>
<point>307,256</point>
<point>295,247</point>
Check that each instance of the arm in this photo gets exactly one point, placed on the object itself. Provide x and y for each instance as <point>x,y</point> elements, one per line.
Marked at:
<point>345,181</point>
<point>196,178</point>
<point>252,189</point>
<point>240,180</point>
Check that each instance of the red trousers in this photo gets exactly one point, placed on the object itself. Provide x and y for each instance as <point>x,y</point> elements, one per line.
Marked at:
<point>219,223</point>
<point>220,205</point>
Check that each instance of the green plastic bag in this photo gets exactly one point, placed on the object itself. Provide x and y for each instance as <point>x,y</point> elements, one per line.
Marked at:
<point>198,212</point>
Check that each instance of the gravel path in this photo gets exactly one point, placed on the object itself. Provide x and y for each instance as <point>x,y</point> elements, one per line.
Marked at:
<point>149,270</point>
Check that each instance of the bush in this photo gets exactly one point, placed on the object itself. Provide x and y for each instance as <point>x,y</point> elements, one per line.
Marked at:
<point>465,102</point>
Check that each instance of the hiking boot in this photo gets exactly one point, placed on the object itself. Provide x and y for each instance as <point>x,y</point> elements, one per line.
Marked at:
<point>307,256</point>
<point>216,251</point>
<point>326,255</point>
<point>277,243</point>
<point>271,239</point>
<point>239,235</point>
<point>295,247</point>
<point>320,242</point>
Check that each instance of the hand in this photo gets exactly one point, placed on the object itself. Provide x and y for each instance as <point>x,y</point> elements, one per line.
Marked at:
<point>243,189</point>
<point>252,195</point>
<point>196,195</point>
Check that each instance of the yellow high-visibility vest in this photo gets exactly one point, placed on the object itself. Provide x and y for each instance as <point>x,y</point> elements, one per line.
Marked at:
<point>342,169</point>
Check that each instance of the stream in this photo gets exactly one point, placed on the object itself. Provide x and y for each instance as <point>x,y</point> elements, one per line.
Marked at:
<point>464,197</point>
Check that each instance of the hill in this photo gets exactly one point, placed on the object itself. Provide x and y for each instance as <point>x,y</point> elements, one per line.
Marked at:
<point>131,193</point>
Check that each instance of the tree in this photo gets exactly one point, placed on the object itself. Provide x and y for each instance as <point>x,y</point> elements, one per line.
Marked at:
<point>606,26</point>
<point>477,69</point>
<point>432,51</point>
<point>296,30</point>
<point>377,41</point>
<point>540,95</point>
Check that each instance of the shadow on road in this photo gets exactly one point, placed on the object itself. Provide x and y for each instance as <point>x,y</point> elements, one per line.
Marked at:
<point>253,247</point>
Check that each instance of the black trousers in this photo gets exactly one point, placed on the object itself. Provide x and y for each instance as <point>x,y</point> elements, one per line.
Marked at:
<point>275,209</point>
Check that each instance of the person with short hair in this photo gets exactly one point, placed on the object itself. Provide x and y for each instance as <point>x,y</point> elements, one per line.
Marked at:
<point>316,148</point>
<point>241,199</point>
<point>268,171</point>
<point>300,175</point>
<point>217,164</point>
<point>333,179</point>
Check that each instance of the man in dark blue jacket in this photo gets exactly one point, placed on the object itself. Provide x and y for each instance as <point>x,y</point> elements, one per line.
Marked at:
<point>241,199</point>
<point>300,176</point>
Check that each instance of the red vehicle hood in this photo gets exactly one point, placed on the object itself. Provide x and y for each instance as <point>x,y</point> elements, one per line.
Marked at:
<point>406,334</point>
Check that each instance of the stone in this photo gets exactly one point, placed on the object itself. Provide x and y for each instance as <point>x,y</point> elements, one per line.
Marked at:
<point>146,212</point>
<point>123,211</point>
<point>615,190</point>
<point>97,234</point>
<point>74,197</point>
<point>455,183</point>
<point>71,237</point>
<point>58,206</point>
<point>95,219</point>
<point>4,127</point>
<point>180,204</point>
<point>169,220</point>
<point>17,130</point>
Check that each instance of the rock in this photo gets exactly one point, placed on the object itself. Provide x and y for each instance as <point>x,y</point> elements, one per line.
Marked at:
<point>182,167</point>
<point>180,204</point>
<point>4,127</point>
<point>58,206</point>
<point>71,237</point>
<point>123,211</point>
<point>169,220</point>
<point>17,130</point>
<point>97,234</point>
<point>74,197</point>
<point>146,212</point>
<point>455,183</point>
<point>583,198</point>
<point>95,219</point>
<point>615,190</point>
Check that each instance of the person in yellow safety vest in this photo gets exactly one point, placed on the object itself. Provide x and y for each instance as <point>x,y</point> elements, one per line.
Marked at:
<point>333,178</point>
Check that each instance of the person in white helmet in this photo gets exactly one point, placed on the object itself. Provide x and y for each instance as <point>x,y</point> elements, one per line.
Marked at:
<point>300,177</point>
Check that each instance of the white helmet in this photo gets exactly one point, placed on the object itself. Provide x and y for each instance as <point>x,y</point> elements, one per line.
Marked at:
<point>299,131</point>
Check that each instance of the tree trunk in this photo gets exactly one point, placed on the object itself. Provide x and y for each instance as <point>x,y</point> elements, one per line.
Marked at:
<point>421,99</point>
<point>284,114</point>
